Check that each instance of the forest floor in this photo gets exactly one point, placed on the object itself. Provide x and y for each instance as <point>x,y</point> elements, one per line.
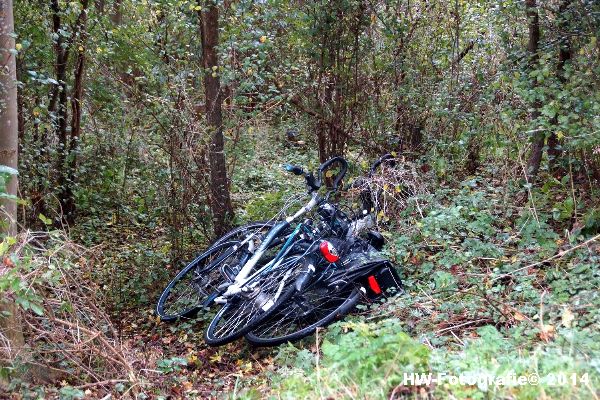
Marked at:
<point>493,288</point>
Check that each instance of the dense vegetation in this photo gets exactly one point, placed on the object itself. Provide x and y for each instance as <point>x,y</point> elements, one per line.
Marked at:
<point>145,128</point>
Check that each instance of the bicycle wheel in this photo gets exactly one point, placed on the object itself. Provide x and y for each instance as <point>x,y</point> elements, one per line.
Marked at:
<point>241,232</point>
<point>196,285</point>
<point>258,299</point>
<point>316,306</point>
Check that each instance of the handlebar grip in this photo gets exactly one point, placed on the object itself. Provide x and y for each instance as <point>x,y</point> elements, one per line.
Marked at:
<point>381,160</point>
<point>340,175</point>
<point>294,169</point>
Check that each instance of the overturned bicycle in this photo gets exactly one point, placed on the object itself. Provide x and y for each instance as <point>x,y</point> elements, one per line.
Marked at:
<point>280,280</point>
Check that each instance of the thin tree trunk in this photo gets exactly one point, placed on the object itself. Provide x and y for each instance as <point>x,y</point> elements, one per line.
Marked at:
<point>59,102</point>
<point>564,55</point>
<point>100,5</point>
<point>116,14</point>
<point>68,140</point>
<point>222,210</point>
<point>533,23</point>
<point>75,134</point>
<point>21,115</point>
<point>10,324</point>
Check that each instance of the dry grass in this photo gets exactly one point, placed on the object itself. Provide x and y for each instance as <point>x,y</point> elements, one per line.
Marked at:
<point>73,340</point>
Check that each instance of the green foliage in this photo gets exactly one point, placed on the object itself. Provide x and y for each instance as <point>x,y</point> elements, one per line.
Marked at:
<point>449,85</point>
<point>367,361</point>
<point>12,283</point>
<point>449,260</point>
<point>70,393</point>
<point>171,364</point>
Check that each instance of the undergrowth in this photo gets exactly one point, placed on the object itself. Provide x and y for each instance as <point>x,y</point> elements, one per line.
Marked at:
<point>493,289</point>
<point>495,286</point>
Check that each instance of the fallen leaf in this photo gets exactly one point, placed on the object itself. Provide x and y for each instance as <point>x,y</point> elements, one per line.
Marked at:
<point>567,317</point>
<point>519,317</point>
<point>547,333</point>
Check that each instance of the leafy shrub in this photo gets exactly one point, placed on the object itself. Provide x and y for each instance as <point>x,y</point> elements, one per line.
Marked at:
<point>365,362</point>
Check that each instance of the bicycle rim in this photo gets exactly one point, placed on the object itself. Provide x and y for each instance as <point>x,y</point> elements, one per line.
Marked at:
<point>316,306</point>
<point>197,282</point>
<point>259,299</point>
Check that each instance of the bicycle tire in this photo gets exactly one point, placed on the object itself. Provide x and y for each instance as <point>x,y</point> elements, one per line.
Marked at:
<point>294,321</point>
<point>240,233</point>
<point>189,279</point>
<point>260,298</point>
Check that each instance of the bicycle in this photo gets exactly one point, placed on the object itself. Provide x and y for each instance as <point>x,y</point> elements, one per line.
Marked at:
<point>256,292</point>
<point>333,292</point>
<point>190,290</point>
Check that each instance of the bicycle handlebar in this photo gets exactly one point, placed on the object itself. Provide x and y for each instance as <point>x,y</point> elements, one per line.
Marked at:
<point>315,183</point>
<point>340,175</point>
<point>381,160</point>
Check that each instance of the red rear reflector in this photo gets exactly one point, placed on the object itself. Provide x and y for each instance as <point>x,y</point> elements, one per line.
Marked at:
<point>374,285</point>
<point>328,251</point>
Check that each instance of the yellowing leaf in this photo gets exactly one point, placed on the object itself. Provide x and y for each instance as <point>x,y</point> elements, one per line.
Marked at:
<point>560,134</point>
<point>247,367</point>
<point>519,317</point>
<point>386,187</point>
<point>80,48</point>
<point>547,332</point>
<point>18,46</point>
<point>263,39</point>
<point>198,8</point>
<point>192,358</point>
<point>215,358</point>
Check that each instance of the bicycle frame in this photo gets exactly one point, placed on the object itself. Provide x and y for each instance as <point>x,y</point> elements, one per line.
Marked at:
<point>243,276</point>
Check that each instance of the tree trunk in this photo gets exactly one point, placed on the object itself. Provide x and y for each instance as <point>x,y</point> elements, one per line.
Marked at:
<point>564,55</point>
<point>222,210</point>
<point>68,140</point>
<point>58,103</point>
<point>76,100</point>
<point>10,325</point>
<point>116,14</point>
<point>100,5</point>
<point>533,23</point>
